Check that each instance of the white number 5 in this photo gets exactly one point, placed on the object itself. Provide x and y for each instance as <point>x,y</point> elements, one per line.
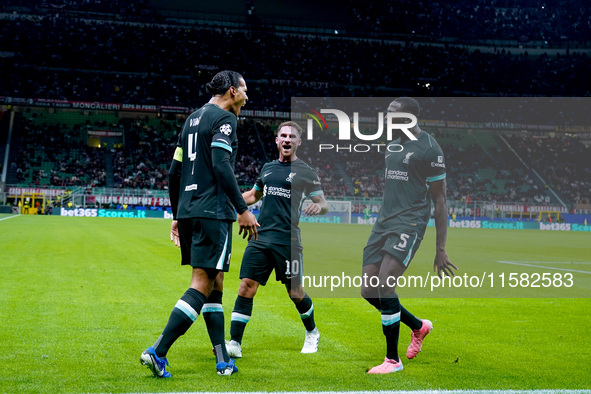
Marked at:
<point>402,244</point>
<point>403,239</point>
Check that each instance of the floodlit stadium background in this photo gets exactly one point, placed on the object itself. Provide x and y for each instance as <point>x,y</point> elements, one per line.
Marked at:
<point>93,95</point>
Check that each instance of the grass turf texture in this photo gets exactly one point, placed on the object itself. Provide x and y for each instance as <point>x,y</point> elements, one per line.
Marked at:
<point>81,298</point>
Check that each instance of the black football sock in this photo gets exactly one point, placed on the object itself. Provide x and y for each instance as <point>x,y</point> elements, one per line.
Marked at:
<point>391,326</point>
<point>213,314</point>
<point>185,312</point>
<point>409,319</point>
<point>306,310</point>
<point>240,317</point>
<point>375,302</point>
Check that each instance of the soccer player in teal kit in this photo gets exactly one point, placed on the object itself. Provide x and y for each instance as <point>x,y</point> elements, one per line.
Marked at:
<point>283,184</point>
<point>413,177</point>
<point>205,197</point>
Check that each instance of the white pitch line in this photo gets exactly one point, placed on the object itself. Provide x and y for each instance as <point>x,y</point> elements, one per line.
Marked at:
<point>10,217</point>
<point>403,392</point>
<point>557,262</point>
<point>543,266</point>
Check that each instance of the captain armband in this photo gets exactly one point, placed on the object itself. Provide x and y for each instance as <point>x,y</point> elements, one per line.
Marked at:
<point>178,154</point>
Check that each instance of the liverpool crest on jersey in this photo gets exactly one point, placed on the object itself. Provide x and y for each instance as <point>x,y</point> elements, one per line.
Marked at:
<point>290,177</point>
<point>407,158</point>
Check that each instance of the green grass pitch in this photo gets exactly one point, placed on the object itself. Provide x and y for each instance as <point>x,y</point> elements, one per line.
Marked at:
<point>81,298</point>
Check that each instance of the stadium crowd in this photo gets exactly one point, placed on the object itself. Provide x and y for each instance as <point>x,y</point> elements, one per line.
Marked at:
<point>472,173</point>
<point>483,170</point>
<point>562,160</point>
<point>124,8</point>
<point>68,58</point>
<point>55,155</point>
<point>522,21</point>
<point>78,56</point>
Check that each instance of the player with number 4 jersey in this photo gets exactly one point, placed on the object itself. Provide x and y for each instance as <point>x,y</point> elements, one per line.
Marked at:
<point>202,194</point>
<point>283,185</point>
<point>204,197</point>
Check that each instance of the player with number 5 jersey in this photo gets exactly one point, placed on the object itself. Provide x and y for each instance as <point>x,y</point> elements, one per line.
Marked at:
<point>413,177</point>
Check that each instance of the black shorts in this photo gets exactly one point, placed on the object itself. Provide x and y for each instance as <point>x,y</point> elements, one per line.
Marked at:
<point>402,245</point>
<point>260,259</point>
<point>206,243</point>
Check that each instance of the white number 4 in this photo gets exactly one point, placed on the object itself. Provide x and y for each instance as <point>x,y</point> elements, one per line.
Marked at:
<point>192,146</point>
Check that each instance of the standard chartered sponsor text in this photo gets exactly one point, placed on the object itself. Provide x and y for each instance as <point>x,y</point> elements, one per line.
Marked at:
<point>279,191</point>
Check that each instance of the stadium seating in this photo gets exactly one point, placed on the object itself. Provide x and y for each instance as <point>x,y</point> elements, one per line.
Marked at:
<point>80,50</point>
<point>67,57</point>
<point>520,21</point>
<point>51,150</point>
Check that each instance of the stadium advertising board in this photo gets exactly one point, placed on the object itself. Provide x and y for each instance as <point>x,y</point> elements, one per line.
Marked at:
<point>105,133</point>
<point>564,227</point>
<point>491,224</point>
<point>328,218</point>
<point>111,213</point>
<point>517,225</point>
<point>17,191</point>
<point>133,200</point>
<point>142,214</point>
<point>524,208</point>
<point>333,218</point>
<point>92,105</point>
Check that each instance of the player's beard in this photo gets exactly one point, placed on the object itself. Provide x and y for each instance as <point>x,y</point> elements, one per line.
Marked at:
<point>291,154</point>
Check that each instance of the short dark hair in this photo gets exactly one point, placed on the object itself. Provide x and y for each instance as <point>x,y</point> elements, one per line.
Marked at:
<point>291,124</point>
<point>405,104</point>
<point>222,81</point>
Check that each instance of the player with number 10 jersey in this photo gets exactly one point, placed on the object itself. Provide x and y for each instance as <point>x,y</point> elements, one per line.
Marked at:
<point>283,185</point>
